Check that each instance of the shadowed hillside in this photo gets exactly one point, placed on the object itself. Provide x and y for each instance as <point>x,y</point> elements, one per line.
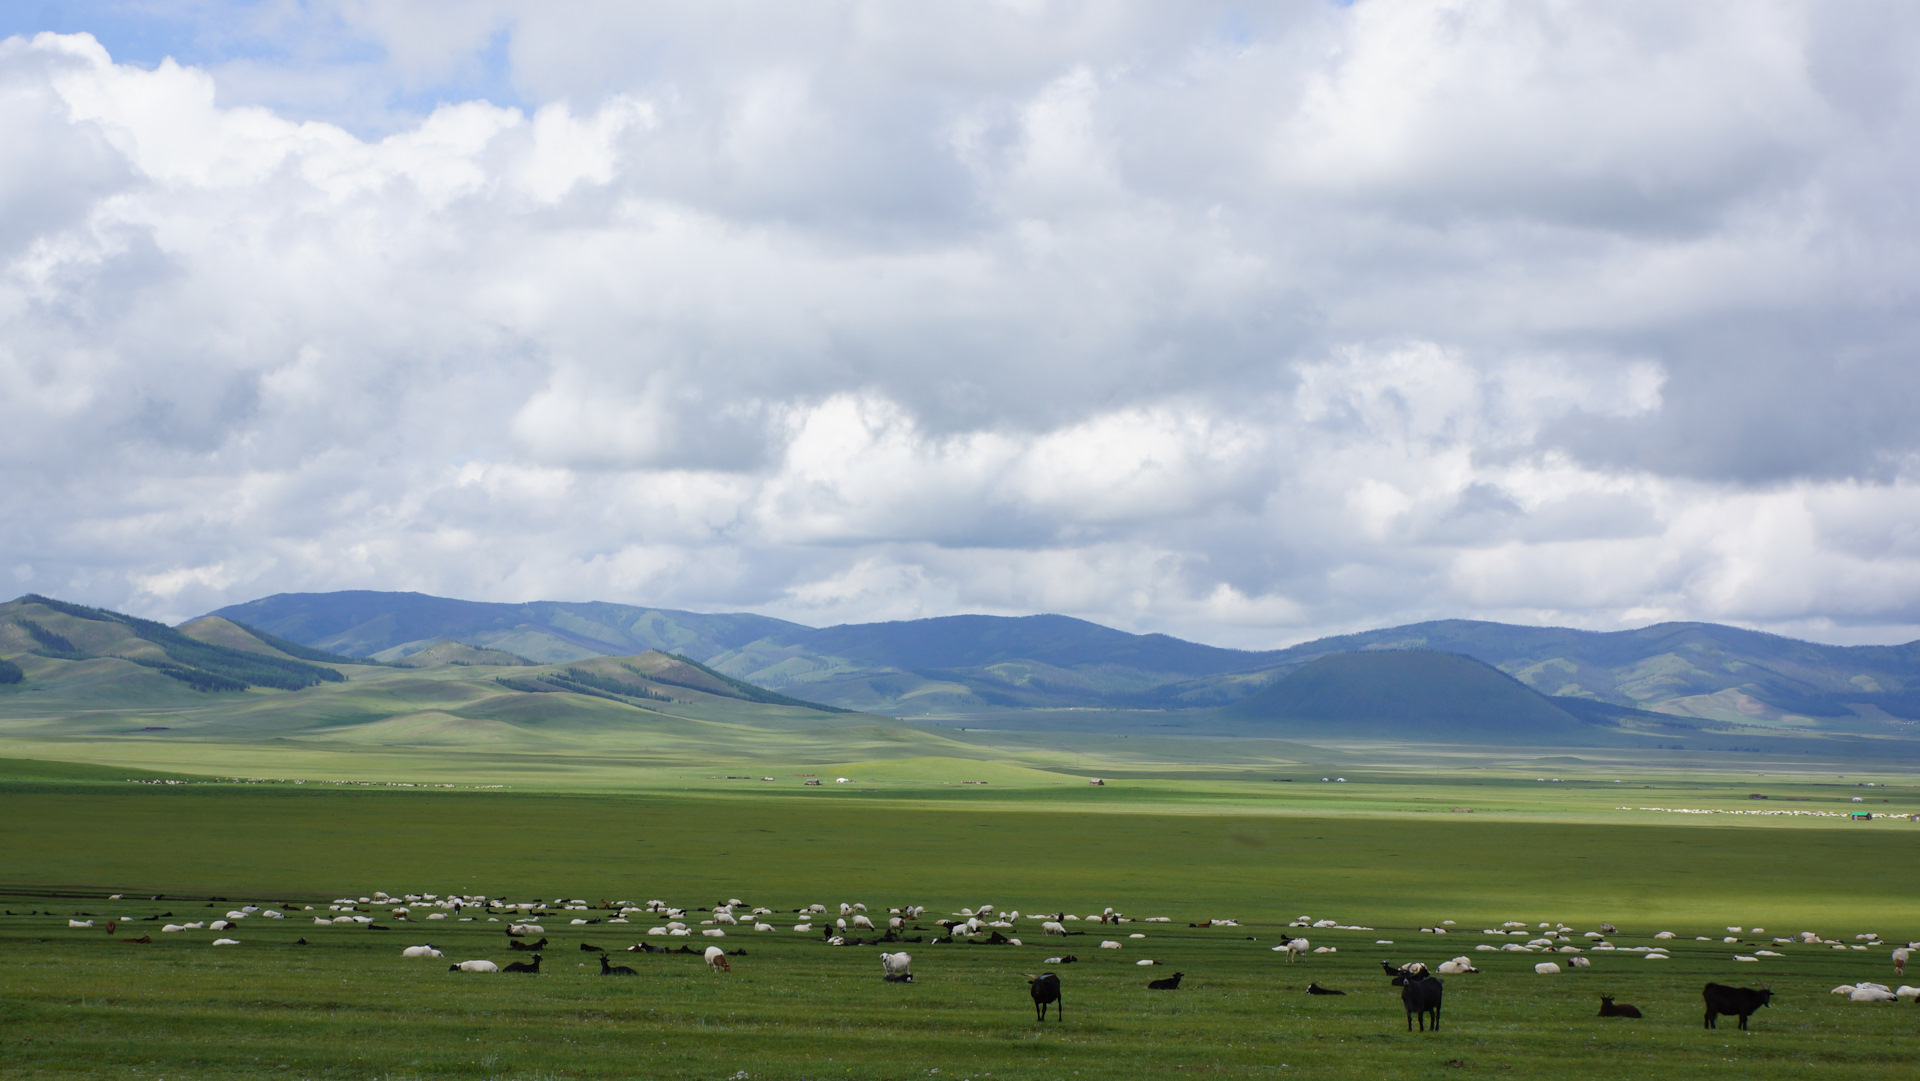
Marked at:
<point>1414,695</point>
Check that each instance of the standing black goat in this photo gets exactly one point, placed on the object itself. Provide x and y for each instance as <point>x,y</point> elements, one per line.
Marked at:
<point>1419,992</point>
<point>1045,988</point>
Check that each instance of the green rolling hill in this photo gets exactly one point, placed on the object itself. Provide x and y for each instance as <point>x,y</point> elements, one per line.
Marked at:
<point>89,675</point>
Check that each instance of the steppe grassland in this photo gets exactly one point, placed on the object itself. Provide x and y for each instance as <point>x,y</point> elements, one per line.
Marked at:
<point>1374,852</point>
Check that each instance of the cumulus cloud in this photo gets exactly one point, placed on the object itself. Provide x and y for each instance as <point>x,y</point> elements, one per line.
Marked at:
<point>1245,324</point>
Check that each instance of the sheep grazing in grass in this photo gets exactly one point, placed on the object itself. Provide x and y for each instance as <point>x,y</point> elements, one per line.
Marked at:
<point>1294,948</point>
<point>862,922</point>
<point>608,968</point>
<point>897,965</point>
<point>1053,927</point>
<point>532,968</point>
<point>1900,957</point>
<point>1045,989</point>
<point>474,966</point>
<point>421,951</point>
<point>1171,983</point>
<point>717,960</point>
<point>1609,1009</point>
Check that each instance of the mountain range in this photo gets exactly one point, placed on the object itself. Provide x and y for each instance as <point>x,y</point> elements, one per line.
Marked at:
<point>956,665</point>
<point>404,669</point>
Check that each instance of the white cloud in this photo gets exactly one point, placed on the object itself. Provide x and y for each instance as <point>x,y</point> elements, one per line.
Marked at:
<point>1243,325</point>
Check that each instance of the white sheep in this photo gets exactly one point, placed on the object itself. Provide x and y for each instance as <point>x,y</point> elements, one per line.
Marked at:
<point>763,927</point>
<point>474,966</point>
<point>421,951</point>
<point>1904,991</point>
<point>862,921</point>
<point>896,964</point>
<point>714,932</point>
<point>803,928</point>
<point>1547,968</point>
<point>1053,927</point>
<point>1457,967</point>
<point>717,960</point>
<point>79,923</point>
<point>226,942</point>
<point>1872,993</point>
<point>1900,958</point>
<point>1580,962</point>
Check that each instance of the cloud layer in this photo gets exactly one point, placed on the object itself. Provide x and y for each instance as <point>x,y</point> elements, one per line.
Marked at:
<point>1247,324</point>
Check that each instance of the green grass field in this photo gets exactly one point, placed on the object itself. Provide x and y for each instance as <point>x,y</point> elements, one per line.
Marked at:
<point>1386,851</point>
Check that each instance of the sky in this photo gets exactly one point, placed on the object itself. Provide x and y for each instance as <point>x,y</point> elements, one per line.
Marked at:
<point>1244,322</point>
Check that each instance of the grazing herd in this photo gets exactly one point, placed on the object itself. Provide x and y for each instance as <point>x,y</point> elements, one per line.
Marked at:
<point>1421,989</point>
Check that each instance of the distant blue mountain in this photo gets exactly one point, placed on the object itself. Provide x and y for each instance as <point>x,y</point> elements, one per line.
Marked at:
<point>970,663</point>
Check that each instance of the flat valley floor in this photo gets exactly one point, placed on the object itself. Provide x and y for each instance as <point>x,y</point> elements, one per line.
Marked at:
<point>1383,855</point>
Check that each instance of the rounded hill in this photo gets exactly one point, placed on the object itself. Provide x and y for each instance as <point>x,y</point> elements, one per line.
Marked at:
<point>1418,695</point>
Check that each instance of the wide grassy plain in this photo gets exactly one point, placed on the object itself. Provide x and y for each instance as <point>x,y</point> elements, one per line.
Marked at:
<point>1391,850</point>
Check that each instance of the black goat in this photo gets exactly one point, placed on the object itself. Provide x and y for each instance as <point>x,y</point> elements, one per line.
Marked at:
<point>1733,1001</point>
<point>609,969</point>
<point>1419,993</point>
<point>1316,989</point>
<point>584,948</point>
<point>1608,1009</point>
<point>522,966</point>
<point>527,947</point>
<point>1045,988</point>
<point>1171,983</point>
